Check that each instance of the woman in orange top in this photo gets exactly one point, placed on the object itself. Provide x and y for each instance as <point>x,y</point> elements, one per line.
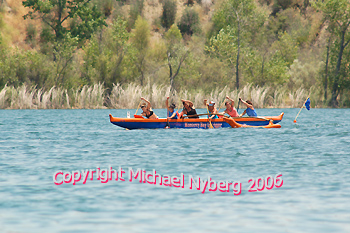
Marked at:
<point>230,108</point>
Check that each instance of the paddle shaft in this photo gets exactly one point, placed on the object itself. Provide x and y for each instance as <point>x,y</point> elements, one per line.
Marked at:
<point>205,114</point>
<point>221,105</point>
<point>167,119</point>
<point>210,125</point>
<point>239,101</point>
<point>138,107</point>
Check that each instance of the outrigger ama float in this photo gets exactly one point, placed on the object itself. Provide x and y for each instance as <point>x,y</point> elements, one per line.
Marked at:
<point>202,123</point>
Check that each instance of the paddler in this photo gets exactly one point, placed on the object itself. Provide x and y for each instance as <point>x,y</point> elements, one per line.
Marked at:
<point>250,109</point>
<point>230,108</point>
<point>188,110</point>
<point>212,109</point>
<point>147,110</point>
<point>172,114</point>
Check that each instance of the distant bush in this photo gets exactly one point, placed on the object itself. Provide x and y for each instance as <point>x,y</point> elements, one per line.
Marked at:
<point>107,7</point>
<point>136,9</point>
<point>189,22</point>
<point>169,13</point>
<point>31,35</point>
<point>190,2</point>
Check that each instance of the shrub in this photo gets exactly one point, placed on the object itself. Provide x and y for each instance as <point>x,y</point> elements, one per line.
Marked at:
<point>189,23</point>
<point>169,13</point>
<point>31,35</point>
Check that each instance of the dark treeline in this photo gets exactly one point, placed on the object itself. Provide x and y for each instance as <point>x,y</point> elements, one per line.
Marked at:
<point>192,45</point>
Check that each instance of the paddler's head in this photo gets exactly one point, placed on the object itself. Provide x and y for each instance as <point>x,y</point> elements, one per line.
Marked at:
<point>249,102</point>
<point>186,106</point>
<point>144,108</point>
<point>211,105</point>
<point>228,105</point>
<point>172,107</point>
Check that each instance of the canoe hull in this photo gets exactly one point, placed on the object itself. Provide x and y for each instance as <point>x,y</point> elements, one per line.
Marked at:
<point>202,123</point>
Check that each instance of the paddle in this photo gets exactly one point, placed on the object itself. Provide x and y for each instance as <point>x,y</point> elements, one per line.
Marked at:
<point>221,105</point>
<point>210,125</point>
<point>138,108</point>
<point>205,114</point>
<point>239,101</point>
<point>167,126</point>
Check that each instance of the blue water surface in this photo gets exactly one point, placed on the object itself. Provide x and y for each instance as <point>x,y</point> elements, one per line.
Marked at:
<point>312,155</point>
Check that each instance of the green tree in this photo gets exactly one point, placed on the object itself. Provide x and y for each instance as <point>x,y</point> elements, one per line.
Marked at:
<point>140,40</point>
<point>223,46</point>
<point>176,53</point>
<point>258,67</point>
<point>244,18</point>
<point>79,17</point>
<point>337,13</point>
<point>64,54</point>
<point>105,55</point>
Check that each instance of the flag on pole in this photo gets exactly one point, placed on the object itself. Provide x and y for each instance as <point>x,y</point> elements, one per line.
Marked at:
<point>307,104</point>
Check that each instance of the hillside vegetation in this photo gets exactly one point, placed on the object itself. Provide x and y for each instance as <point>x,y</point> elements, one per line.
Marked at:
<point>59,53</point>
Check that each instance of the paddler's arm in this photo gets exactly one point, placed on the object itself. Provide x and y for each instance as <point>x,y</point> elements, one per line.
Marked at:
<point>232,101</point>
<point>181,114</point>
<point>205,102</point>
<point>246,104</point>
<point>167,102</point>
<point>148,103</point>
<point>243,113</point>
<point>188,102</point>
<point>170,117</point>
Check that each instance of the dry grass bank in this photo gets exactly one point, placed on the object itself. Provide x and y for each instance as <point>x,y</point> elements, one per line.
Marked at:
<point>128,96</point>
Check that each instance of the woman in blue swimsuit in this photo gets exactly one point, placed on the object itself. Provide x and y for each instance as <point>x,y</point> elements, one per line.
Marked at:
<point>250,109</point>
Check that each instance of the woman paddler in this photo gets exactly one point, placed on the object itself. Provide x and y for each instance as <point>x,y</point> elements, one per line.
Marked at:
<point>147,110</point>
<point>188,110</point>
<point>230,108</point>
<point>211,109</point>
<point>250,109</point>
<point>172,114</point>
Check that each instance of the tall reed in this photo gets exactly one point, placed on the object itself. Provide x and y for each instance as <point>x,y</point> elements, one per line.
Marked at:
<point>128,96</point>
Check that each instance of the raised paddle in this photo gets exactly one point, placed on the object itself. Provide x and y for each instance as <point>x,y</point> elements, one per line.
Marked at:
<point>239,101</point>
<point>138,107</point>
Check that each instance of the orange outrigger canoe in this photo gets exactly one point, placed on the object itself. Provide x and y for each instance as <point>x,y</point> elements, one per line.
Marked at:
<point>202,123</point>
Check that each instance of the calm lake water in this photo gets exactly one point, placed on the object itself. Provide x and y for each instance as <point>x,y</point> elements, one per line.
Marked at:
<point>313,157</point>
